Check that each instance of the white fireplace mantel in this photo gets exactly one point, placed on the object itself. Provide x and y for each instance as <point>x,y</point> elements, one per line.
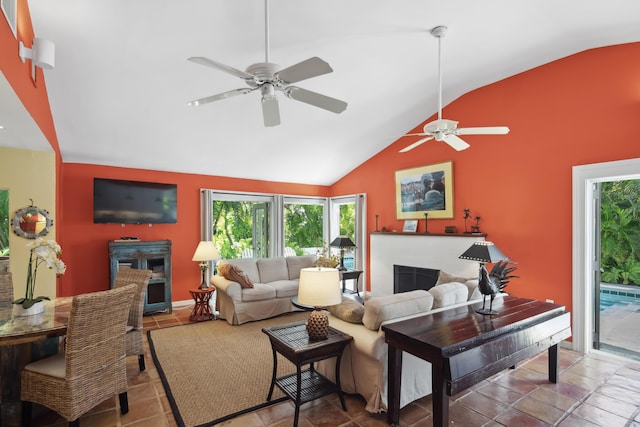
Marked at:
<point>434,251</point>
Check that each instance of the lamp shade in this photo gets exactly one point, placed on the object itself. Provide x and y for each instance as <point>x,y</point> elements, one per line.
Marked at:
<point>483,252</point>
<point>319,287</point>
<point>205,251</point>
<point>342,242</point>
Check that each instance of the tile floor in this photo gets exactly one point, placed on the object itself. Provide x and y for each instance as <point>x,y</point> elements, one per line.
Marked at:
<point>595,389</point>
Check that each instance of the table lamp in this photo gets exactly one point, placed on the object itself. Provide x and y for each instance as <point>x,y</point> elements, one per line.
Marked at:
<point>205,252</point>
<point>319,287</point>
<point>485,252</point>
<point>342,242</point>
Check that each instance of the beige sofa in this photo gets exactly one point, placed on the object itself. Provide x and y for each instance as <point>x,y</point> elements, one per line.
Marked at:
<point>275,282</point>
<point>363,369</point>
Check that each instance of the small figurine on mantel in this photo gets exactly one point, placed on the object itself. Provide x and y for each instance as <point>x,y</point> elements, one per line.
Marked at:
<point>476,228</point>
<point>426,223</point>
<point>467,214</point>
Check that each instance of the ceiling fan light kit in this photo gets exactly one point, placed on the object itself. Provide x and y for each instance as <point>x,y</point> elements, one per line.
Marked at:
<point>269,78</point>
<point>447,130</point>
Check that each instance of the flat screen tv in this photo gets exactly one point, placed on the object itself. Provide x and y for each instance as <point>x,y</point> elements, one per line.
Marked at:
<point>134,202</point>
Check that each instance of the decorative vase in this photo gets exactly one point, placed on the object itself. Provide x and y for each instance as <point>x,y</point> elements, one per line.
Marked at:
<point>36,308</point>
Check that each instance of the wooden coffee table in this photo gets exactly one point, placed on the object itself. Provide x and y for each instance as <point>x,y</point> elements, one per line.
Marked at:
<point>465,347</point>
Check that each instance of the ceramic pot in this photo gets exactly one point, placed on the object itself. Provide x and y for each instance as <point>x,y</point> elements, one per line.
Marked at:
<point>36,308</point>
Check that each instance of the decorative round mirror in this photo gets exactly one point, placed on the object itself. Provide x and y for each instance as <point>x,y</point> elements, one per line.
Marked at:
<point>31,222</point>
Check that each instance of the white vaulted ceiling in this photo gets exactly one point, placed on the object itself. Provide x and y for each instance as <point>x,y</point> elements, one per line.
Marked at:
<point>121,83</point>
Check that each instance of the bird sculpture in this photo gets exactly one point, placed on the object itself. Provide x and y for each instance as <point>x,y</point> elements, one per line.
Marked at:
<point>488,286</point>
<point>490,283</point>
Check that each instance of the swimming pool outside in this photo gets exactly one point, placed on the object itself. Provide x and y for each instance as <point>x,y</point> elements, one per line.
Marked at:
<point>619,318</point>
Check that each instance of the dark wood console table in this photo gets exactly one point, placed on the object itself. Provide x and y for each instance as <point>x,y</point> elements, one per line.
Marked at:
<point>465,347</point>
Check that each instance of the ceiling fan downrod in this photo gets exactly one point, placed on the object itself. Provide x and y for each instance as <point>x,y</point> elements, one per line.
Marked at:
<point>439,33</point>
<point>266,31</point>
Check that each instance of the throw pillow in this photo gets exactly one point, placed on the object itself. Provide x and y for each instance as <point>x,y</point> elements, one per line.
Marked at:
<point>448,294</point>
<point>348,310</point>
<point>235,274</point>
<point>445,277</point>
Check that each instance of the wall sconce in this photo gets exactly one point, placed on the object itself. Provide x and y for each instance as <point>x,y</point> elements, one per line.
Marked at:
<point>42,53</point>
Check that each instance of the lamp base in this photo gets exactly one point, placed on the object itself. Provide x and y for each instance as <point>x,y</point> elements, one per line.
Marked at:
<point>318,325</point>
<point>204,284</point>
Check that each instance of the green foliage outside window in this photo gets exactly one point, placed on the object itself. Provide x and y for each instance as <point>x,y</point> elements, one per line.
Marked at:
<point>232,228</point>
<point>302,226</point>
<point>347,220</point>
<point>4,223</point>
<point>620,232</point>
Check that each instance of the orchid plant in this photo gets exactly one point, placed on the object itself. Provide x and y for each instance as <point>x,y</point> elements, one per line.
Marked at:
<point>45,252</point>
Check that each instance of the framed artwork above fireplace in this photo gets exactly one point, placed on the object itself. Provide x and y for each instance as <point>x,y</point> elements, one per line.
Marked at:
<point>425,190</point>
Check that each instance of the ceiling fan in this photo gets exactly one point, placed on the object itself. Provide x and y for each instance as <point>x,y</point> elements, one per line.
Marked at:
<point>269,78</point>
<point>448,130</point>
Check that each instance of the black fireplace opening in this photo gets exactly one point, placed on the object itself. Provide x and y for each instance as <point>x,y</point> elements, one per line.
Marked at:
<point>407,278</point>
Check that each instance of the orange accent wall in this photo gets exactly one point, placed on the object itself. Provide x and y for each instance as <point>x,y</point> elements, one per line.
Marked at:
<point>85,243</point>
<point>33,95</point>
<point>578,110</point>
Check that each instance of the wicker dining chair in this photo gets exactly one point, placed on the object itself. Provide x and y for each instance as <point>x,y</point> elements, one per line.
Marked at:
<point>93,366</point>
<point>135,334</point>
<point>6,288</point>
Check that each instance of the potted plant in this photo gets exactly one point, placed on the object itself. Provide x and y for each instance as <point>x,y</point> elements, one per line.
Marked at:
<point>45,252</point>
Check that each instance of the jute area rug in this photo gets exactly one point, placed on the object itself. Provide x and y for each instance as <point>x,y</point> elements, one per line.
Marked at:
<point>212,371</point>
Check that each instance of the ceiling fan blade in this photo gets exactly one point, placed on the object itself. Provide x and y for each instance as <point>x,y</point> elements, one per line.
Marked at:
<point>219,96</point>
<point>415,144</point>
<point>495,130</point>
<point>306,69</point>
<point>316,99</point>
<point>222,67</point>
<point>270,111</point>
<point>456,142</point>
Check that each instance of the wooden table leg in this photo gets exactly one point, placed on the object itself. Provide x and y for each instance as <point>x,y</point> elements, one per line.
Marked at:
<point>296,416</point>
<point>340,394</point>
<point>394,373</point>
<point>554,364</point>
<point>273,375</point>
<point>440,398</point>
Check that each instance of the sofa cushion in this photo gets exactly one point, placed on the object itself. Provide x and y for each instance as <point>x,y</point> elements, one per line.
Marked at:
<point>296,263</point>
<point>380,309</point>
<point>444,277</point>
<point>285,288</point>
<point>235,274</point>
<point>448,294</point>
<point>259,292</point>
<point>348,310</point>
<point>272,269</point>
<point>248,265</point>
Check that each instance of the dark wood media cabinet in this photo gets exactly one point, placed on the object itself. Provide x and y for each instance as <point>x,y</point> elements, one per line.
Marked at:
<point>145,255</point>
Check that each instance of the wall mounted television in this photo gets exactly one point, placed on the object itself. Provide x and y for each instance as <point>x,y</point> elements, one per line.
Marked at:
<point>134,202</point>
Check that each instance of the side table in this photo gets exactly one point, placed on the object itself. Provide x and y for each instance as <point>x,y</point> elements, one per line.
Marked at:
<point>292,341</point>
<point>350,274</point>
<point>201,310</point>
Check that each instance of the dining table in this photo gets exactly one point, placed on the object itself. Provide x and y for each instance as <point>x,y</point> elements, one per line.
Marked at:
<point>24,339</point>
